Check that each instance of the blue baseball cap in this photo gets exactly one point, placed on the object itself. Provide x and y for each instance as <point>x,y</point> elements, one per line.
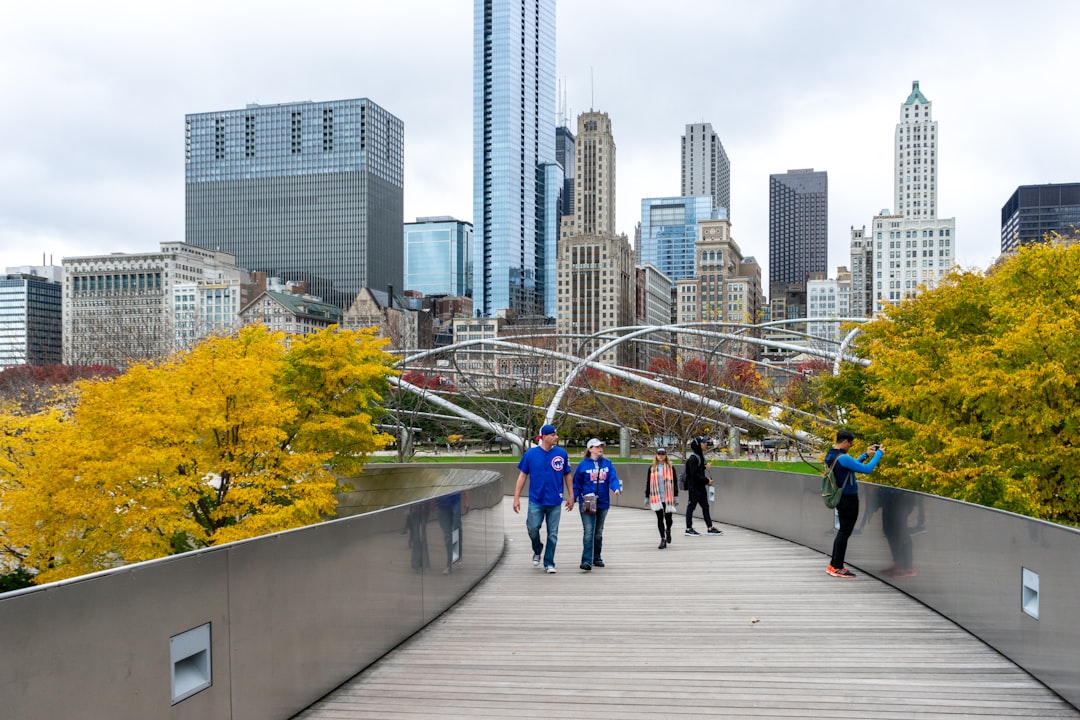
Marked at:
<point>547,430</point>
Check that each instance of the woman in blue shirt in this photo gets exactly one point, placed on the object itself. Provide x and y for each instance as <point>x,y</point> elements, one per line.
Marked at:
<point>594,479</point>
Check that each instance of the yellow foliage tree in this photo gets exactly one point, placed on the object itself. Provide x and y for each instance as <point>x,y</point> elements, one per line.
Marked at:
<point>237,437</point>
<point>973,386</point>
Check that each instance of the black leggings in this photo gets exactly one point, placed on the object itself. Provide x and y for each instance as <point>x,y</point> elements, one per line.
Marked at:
<point>663,521</point>
<point>698,497</point>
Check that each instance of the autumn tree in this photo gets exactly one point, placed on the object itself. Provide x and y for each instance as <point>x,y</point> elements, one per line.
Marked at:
<point>972,386</point>
<point>239,436</point>
<point>32,387</point>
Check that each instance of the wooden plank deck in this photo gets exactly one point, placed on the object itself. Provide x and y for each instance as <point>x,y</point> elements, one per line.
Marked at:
<point>672,634</point>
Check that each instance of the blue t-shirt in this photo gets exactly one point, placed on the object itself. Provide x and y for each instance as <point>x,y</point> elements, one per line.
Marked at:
<point>545,469</point>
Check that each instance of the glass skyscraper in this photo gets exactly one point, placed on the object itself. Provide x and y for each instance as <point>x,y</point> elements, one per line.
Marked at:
<point>798,226</point>
<point>30,320</point>
<point>308,191</point>
<point>516,178</point>
<point>438,256</point>
<point>1033,211</point>
<point>669,230</point>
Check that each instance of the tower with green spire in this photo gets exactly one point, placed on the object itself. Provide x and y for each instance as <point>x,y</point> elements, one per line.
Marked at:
<point>916,158</point>
<point>913,248</point>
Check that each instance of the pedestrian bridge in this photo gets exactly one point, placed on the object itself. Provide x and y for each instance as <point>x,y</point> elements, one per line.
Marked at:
<point>319,622</point>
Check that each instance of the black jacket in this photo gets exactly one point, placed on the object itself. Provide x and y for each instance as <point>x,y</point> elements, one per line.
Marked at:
<point>696,481</point>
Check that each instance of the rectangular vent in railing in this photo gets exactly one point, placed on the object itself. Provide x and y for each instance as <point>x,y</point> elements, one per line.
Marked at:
<point>189,653</point>
<point>1029,599</point>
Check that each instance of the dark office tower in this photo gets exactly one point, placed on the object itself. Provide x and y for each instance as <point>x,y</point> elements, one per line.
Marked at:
<point>308,191</point>
<point>1035,210</point>
<point>705,166</point>
<point>516,176</point>
<point>564,154</point>
<point>798,226</point>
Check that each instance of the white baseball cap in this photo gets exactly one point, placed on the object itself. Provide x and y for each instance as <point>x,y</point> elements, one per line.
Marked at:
<point>595,442</point>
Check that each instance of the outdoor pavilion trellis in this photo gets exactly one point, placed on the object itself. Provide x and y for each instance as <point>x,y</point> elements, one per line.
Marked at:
<point>470,363</point>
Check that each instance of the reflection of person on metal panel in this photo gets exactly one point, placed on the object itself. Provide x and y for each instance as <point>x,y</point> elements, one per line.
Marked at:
<point>416,523</point>
<point>449,510</point>
<point>895,513</point>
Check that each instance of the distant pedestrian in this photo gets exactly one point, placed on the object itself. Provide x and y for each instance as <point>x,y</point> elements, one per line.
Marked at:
<point>547,466</point>
<point>594,479</point>
<point>697,487</point>
<point>845,468</point>
<point>662,494</point>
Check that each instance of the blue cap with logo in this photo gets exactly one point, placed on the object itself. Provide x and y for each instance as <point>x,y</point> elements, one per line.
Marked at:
<point>547,430</point>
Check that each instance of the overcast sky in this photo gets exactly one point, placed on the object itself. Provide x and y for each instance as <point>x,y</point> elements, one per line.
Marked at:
<point>93,97</point>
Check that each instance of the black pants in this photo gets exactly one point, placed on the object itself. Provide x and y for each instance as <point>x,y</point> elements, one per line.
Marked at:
<point>663,521</point>
<point>848,510</point>
<point>698,497</point>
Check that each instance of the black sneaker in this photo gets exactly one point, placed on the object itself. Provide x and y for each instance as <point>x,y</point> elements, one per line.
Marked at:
<point>585,566</point>
<point>715,531</point>
<point>692,532</point>
<point>663,544</point>
<point>668,538</point>
<point>598,563</point>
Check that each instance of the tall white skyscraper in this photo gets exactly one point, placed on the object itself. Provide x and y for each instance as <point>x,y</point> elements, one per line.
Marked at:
<point>916,158</point>
<point>705,166</point>
<point>913,248</point>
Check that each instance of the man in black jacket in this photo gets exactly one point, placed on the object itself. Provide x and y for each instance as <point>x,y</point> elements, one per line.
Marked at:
<point>697,484</point>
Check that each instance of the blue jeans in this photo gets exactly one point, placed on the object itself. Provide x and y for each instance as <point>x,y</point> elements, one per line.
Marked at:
<point>538,514</point>
<point>593,542</point>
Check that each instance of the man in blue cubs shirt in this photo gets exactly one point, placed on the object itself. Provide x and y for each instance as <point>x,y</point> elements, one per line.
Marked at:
<point>548,468</point>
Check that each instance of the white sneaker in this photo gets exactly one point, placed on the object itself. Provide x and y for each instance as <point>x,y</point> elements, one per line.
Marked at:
<point>536,561</point>
<point>550,569</point>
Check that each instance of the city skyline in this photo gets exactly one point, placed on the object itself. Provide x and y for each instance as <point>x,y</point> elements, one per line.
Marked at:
<point>89,164</point>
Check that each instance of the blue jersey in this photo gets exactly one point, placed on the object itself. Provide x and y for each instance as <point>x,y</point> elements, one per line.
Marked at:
<point>546,469</point>
<point>596,477</point>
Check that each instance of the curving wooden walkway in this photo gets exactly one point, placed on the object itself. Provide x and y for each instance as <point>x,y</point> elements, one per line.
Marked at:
<point>739,626</point>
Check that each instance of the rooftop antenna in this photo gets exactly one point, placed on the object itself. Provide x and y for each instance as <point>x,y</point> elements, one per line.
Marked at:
<point>592,91</point>
<point>562,103</point>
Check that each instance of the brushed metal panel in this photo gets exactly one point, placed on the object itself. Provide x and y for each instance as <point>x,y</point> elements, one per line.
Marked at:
<point>310,608</point>
<point>99,647</point>
<point>292,614</point>
<point>967,560</point>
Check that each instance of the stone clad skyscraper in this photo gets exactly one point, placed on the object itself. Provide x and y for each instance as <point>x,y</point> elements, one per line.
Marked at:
<point>307,191</point>
<point>915,145</point>
<point>705,166</point>
<point>913,247</point>
<point>516,179</point>
<point>595,266</point>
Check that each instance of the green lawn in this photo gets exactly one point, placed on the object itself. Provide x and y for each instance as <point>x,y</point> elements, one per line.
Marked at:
<point>800,467</point>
